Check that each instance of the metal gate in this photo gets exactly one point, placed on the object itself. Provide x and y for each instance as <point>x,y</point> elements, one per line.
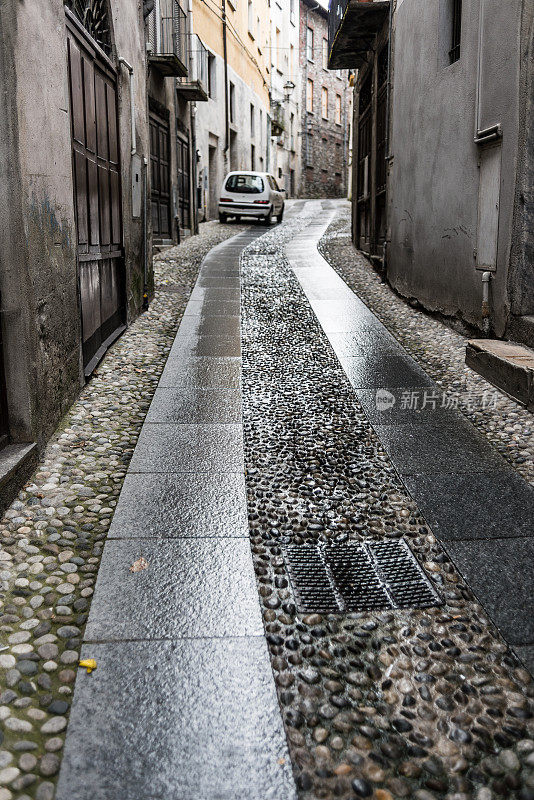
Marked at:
<point>160,192</point>
<point>93,101</point>
<point>184,178</point>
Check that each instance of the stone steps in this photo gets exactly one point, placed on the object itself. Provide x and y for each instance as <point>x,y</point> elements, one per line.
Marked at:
<point>507,365</point>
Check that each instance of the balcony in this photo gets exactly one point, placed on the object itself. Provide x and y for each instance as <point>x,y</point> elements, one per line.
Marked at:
<point>352,28</point>
<point>195,86</point>
<point>167,37</point>
<point>278,123</point>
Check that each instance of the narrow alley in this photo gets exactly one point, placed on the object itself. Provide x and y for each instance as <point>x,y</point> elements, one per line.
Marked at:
<point>316,580</point>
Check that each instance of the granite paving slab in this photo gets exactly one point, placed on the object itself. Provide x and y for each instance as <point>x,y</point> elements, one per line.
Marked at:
<point>501,574</point>
<point>477,505</point>
<point>438,448</point>
<point>195,405</point>
<point>385,371</point>
<point>201,371</point>
<point>188,448</point>
<point>194,719</point>
<point>181,505</point>
<point>191,587</point>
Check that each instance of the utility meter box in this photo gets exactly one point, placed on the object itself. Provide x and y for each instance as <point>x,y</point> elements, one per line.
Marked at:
<point>137,185</point>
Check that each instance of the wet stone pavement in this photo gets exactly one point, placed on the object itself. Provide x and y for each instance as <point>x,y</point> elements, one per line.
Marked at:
<point>415,703</point>
<point>193,696</point>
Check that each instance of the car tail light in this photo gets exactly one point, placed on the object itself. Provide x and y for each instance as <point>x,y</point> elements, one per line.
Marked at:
<point>262,202</point>
<point>226,200</point>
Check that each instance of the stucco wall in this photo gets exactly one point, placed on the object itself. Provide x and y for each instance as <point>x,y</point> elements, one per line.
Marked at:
<point>38,271</point>
<point>434,178</point>
<point>210,130</point>
<point>37,260</point>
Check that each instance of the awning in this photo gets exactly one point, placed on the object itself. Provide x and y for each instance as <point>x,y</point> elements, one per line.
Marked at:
<point>352,27</point>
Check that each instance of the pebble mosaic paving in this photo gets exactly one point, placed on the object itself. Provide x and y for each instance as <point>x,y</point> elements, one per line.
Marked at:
<point>416,703</point>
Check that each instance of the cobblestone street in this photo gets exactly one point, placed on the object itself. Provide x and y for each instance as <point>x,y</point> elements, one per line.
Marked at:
<point>312,530</point>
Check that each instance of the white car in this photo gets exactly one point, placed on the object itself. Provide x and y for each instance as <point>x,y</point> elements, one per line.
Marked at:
<point>251,194</point>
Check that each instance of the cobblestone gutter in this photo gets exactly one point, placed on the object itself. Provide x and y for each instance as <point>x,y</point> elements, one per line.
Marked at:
<point>439,350</point>
<point>52,535</point>
<point>420,704</point>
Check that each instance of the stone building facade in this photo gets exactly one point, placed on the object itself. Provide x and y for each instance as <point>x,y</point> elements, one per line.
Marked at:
<point>443,152</point>
<point>325,99</point>
<point>232,128</point>
<point>72,272</point>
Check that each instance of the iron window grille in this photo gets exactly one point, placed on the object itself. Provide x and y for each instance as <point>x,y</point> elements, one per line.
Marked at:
<point>456,31</point>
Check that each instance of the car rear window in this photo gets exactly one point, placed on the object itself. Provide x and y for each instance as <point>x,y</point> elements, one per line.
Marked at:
<point>247,184</point>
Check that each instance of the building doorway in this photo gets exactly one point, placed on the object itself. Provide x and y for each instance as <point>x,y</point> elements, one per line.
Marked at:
<point>160,179</point>
<point>213,179</point>
<point>184,181</point>
<point>97,197</point>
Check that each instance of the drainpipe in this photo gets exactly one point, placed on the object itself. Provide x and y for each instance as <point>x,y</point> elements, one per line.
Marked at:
<point>486,278</point>
<point>145,248</point>
<point>226,109</point>
<point>132,101</point>
<point>388,90</point>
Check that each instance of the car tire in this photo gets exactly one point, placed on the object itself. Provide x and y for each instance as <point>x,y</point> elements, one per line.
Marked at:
<point>280,216</point>
<point>269,218</point>
<point>222,217</point>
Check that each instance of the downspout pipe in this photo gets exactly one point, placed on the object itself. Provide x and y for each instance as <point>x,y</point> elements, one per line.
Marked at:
<point>388,90</point>
<point>129,67</point>
<point>486,278</point>
<point>226,108</point>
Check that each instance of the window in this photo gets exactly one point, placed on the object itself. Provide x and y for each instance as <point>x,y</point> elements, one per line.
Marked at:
<point>277,51</point>
<point>258,30</point>
<point>325,53</point>
<point>309,96</point>
<point>250,18</point>
<point>211,75</point>
<point>324,102</point>
<point>292,11</point>
<point>456,30</point>
<point>245,184</point>
<point>252,157</point>
<point>309,44</point>
<point>252,122</point>
<point>338,109</point>
<point>232,102</point>
<point>291,60</point>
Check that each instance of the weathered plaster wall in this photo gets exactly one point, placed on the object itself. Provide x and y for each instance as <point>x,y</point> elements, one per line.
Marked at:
<point>521,277</point>
<point>129,42</point>
<point>434,175</point>
<point>210,123</point>
<point>38,272</point>
<point>37,259</point>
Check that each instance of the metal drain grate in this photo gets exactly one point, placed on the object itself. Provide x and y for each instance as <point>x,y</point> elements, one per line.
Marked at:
<point>335,578</point>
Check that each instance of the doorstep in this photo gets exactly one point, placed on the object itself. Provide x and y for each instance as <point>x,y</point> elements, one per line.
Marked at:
<point>507,365</point>
<point>16,464</point>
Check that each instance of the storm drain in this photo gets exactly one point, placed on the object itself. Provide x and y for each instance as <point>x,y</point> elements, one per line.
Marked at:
<point>335,578</point>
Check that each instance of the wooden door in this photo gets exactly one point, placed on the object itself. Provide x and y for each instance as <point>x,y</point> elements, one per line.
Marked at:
<point>96,166</point>
<point>184,181</point>
<point>160,190</point>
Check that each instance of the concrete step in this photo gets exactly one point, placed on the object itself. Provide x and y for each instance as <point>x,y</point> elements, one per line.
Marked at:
<point>507,365</point>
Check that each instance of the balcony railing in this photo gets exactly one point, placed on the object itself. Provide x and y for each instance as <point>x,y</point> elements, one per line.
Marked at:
<point>167,36</point>
<point>195,86</point>
<point>278,123</point>
<point>352,29</point>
